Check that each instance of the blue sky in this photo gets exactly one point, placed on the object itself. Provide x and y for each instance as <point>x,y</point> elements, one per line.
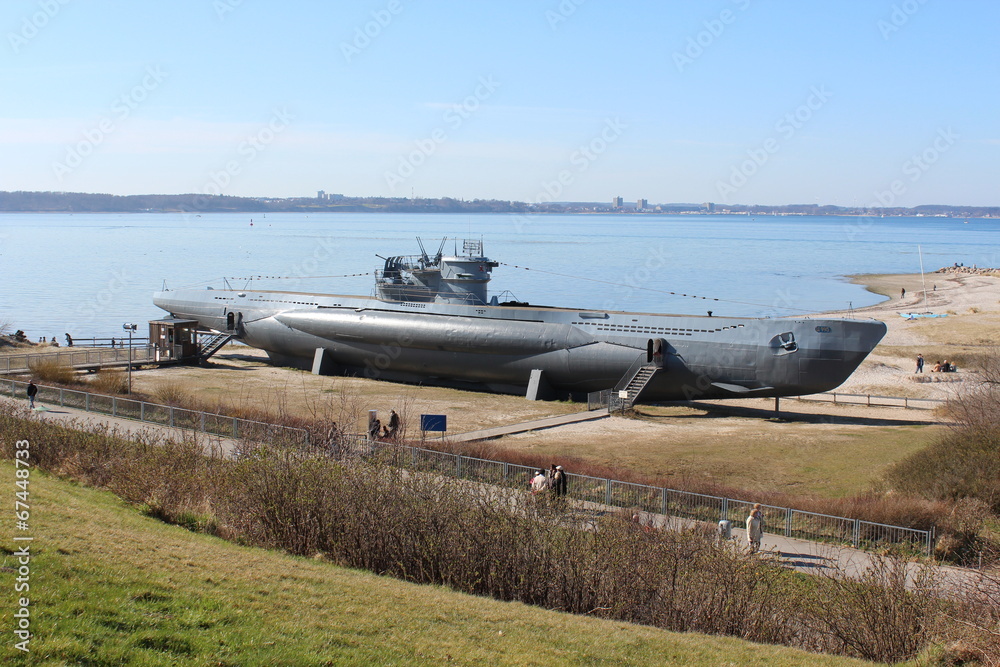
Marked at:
<point>732,101</point>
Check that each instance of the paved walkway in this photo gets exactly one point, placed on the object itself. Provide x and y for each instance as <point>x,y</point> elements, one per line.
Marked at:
<point>71,417</point>
<point>534,425</point>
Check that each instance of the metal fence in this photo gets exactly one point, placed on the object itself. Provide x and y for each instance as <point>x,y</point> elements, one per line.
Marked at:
<point>668,502</point>
<point>612,493</point>
<point>164,415</point>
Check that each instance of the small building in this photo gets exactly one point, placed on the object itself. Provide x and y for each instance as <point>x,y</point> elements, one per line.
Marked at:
<point>173,339</point>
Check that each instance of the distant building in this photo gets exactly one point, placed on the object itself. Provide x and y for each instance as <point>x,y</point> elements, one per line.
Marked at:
<point>321,194</point>
<point>642,204</point>
<point>709,206</point>
<point>616,202</point>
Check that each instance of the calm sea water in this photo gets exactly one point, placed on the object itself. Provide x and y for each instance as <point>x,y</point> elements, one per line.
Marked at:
<point>87,274</point>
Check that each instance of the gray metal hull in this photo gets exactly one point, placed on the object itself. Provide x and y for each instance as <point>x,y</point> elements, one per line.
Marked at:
<point>497,347</point>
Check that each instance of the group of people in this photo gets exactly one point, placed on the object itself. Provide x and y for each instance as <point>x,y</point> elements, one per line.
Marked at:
<point>376,431</point>
<point>553,480</point>
<point>939,367</point>
<point>943,367</point>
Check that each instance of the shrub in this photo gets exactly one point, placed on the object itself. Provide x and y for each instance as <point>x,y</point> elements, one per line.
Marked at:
<point>109,382</point>
<point>171,392</point>
<point>53,371</point>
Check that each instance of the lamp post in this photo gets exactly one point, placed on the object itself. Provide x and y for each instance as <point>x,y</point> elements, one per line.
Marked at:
<point>129,327</point>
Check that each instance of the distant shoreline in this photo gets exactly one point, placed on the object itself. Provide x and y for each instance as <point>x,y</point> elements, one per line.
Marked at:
<point>196,204</point>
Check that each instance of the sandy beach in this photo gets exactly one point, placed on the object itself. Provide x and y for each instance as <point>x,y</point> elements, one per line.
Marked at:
<point>971,303</point>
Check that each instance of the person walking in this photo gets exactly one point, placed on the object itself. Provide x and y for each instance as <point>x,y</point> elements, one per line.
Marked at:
<point>32,392</point>
<point>920,363</point>
<point>755,528</point>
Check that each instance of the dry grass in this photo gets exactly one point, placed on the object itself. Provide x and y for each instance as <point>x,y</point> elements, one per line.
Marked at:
<point>242,380</point>
<point>108,382</point>
<point>52,371</point>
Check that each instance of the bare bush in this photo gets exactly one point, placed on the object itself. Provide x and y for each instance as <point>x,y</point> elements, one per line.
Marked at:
<point>50,369</point>
<point>108,382</point>
<point>171,392</point>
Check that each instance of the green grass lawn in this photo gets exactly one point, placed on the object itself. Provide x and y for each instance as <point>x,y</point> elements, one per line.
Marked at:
<point>111,586</point>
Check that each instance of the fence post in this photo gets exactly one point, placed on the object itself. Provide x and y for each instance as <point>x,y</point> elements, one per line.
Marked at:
<point>202,422</point>
<point>725,508</point>
<point>171,411</point>
<point>856,538</point>
<point>663,494</point>
<point>788,521</point>
<point>86,402</point>
<point>506,471</point>
<point>61,401</point>
<point>142,411</point>
<point>458,466</point>
<point>114,406</point>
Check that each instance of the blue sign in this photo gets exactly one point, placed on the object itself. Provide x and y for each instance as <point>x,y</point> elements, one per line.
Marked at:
<point>433,422</point>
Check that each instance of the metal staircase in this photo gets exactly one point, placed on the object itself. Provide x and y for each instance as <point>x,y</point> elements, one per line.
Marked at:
<point>639,382</point>
<point>214,344</point>
<point>628,390</point>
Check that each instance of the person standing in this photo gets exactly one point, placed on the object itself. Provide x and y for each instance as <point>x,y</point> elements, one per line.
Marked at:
<point>920,363</point>
<point>902,292</point>
<point>392,430</point>
<point>32,392</point>
<point>755,527</point>
<point>559,481</point>
<point>539,483</point>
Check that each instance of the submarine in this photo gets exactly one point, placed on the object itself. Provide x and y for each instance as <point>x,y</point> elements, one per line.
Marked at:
<point>431,320</point>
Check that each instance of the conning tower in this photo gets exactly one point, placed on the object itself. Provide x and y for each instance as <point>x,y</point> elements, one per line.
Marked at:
<point>459,278</point>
